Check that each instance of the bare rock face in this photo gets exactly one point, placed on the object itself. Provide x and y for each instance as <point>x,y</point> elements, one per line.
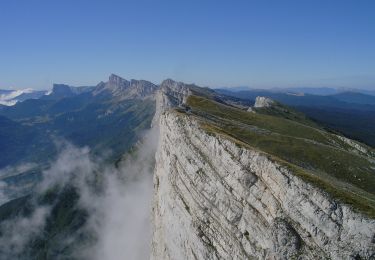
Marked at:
<point>174,93</point>
<point>115,80</point>
<point>124,89</point>
<point>216,200</point>
<point>263,102</point>
<point>170,94</point>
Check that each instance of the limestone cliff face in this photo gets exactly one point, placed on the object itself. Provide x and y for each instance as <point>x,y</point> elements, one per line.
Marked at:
<point>216,200</point>
<point>170,94</point>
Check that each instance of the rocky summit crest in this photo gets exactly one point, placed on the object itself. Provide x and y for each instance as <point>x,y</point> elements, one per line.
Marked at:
<point>124,89</point>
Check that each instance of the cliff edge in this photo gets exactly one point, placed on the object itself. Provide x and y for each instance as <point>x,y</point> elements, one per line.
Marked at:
<point>230,184</point>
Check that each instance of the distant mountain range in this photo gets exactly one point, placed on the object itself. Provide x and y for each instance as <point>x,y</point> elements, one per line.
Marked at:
<point>69,112</point>
<point>322,91</point>
<point>108,116</point>
<point>11,97</point>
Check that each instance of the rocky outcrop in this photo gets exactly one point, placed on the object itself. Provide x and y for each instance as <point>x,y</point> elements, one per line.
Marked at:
<point>214,199</point>
<point>170,94</point>
<point>355,147</point>
<point>173,93</point>
<point>263,102</point>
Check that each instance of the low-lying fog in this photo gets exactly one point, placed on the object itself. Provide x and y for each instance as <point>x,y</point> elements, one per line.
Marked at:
<point>119,211</point>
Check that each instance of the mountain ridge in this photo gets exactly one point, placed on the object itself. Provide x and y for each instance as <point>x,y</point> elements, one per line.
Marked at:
<point>223,194</point>
<point>228,182</point>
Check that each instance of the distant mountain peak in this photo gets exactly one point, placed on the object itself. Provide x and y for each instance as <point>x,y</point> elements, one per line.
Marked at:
<point>61,91</point>
<point>176,85</point>
<point>125,89</point>
<point>61,87</point>
<point>168,82</point>
<point>117,80</point>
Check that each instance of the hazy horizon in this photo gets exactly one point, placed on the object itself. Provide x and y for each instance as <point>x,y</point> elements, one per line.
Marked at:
<point>212,87</point>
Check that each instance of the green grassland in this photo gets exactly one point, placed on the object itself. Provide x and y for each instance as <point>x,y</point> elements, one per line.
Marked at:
<point>293,140</point>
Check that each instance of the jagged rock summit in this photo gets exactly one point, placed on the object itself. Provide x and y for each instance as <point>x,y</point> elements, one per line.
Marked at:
<point>117,81</point>
<point>124,89</point>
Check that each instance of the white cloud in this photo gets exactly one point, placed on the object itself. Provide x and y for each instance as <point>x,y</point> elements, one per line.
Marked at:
<point>19,232</point>
<point>9,99</point>
<point>118,213</point>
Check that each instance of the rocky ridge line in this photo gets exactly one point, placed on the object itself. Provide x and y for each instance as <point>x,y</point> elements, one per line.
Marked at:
<point>215,200</point>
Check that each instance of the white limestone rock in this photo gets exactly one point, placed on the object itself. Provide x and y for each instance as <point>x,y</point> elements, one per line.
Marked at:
<point>263,102</point>
<point>216,200</point>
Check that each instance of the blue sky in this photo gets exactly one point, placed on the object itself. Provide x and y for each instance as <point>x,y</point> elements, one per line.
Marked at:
<point>211,43</point>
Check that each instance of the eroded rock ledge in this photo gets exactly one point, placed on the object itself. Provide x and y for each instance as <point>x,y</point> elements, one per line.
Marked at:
<point>216,200</point>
